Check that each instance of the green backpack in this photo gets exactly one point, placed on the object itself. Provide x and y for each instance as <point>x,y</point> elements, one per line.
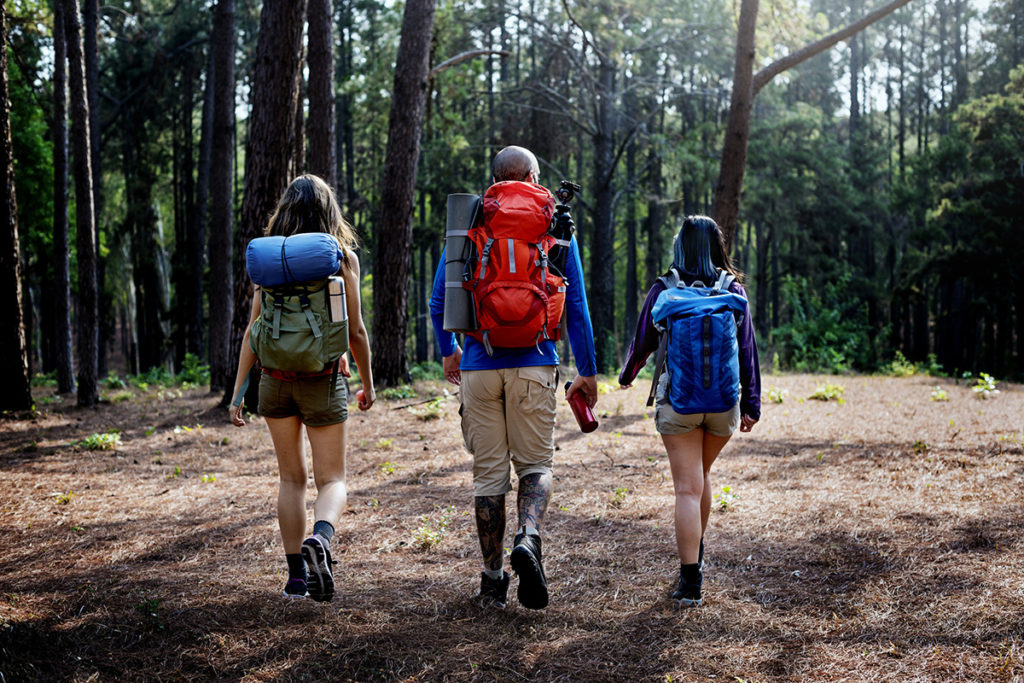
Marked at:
<point>295,331</point>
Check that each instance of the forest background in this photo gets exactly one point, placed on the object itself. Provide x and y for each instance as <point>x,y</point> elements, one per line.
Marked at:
<point>882,215</point>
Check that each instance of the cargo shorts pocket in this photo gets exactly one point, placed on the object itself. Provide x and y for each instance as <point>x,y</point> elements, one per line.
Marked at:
<point>537,388</point>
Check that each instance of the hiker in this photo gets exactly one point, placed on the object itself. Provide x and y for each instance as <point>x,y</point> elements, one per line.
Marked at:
<point>694,437</point>
<point>508,390</point>
<point>317,400</point>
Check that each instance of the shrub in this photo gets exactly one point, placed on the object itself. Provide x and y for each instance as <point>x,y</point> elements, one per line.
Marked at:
<point>397,393</point>
<point>193,371</point>
<point>985,386</point>
<point>108,441</point>
<point>829,392</point>
<point>900,367</point>
<point>426,370</point>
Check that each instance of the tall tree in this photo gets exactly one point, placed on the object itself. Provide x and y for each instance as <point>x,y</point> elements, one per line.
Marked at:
<point>61,259</point>
<point>222,203</point>
<point>394,224</point>
<point>88,309</point>
<point>746,85</point>
<point>196,241</point>
<point>90,43</point>
<point>17,394</point>
<point>321,153</point>
<point>274,79</point>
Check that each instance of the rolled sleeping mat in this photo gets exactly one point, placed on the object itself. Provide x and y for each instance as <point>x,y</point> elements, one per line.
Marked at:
<point>459,312</point>
<point>274,261</point>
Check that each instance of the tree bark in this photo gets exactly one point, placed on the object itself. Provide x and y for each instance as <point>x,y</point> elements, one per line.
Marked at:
<point>88,308</point>
<point>222,203</point>
<point>320,156</point>
<point>90,18</point>
<point>61,309</point>
<point>602,248</point>
<point>394,224</point>
<point>197,233</point>
<point>17,394</point>
<point>267,156</point>
<point>746,85</point>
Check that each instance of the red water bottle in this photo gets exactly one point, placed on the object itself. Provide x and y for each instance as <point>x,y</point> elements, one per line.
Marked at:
<point>584,415</point>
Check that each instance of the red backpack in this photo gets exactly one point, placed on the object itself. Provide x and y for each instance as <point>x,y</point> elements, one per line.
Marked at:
<point>518,300</point>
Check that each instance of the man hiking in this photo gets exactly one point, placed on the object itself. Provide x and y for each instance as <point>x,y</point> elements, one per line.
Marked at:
<point>508,388</point>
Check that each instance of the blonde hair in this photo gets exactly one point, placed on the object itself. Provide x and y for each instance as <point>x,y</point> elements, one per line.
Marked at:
<point>309,205</point>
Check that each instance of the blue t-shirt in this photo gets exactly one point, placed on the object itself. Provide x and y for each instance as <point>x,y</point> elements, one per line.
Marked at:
<point>578,326</point>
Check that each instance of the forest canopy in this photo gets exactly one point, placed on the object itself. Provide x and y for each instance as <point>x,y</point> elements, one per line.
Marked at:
<point>882,210</point>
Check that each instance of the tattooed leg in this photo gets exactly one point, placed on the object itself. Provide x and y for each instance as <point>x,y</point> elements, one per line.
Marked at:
<point>534,493</point>
<point>490,527</point>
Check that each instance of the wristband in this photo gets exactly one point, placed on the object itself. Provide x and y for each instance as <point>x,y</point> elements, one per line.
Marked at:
<point>237,400</point>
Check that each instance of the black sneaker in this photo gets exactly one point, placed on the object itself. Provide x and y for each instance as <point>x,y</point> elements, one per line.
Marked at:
<point>687,592</point>
<point>493,591</point>
<point>317,554</point>
<point>526,563</point>
<point>295,588</point>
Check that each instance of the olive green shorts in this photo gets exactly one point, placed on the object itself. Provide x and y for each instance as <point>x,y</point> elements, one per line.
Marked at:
<point>308,398</point>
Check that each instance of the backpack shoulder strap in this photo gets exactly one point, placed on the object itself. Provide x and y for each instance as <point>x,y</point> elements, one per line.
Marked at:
<point>670,280</point>
<point>725,279</point>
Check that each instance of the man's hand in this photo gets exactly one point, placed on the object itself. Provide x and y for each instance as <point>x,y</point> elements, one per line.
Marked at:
<point>588,385</point>
<point>451,367</point>
<point>747,423</point>
<point>343,366</point>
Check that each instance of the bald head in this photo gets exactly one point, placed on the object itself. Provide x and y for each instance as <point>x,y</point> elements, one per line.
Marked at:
<point>515,163</point>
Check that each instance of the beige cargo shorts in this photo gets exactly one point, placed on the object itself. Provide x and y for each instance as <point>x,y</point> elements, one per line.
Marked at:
<point>508,416</point>
<point>668,421</point>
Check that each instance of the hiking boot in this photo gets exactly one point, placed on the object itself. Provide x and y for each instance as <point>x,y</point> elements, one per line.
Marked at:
<point>526,563</point>
<point>317,554</point>
<point>295,589</point>
<point>493,591</point>
<point>687,592</point>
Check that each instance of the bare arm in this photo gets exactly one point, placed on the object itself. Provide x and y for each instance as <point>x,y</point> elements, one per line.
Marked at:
<point>358,339</point>
<point>246,359</point>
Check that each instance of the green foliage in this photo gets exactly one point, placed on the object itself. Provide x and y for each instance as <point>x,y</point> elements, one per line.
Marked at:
<point>775,395</point>
<point>433,529</point>
<point>387,468</point>
<point>432,410</point>
<point>829,392</point>
<point>829,331</point>
<point>48,379</point>
<point>426,370</point>
<point>619,497</point>
<point>725,498</point>
<point>194,372</point>
<point>398,393</point>
<point>114,382</point>
<point>900,367</point>
<point>985,386</point>
<point>939,394</point>
<point>107,441</point>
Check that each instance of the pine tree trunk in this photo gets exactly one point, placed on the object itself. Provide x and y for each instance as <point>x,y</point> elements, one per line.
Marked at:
<point>197,234</point>
<point>320,157</point>
<point>394,225</point>
<point>61,309</point>
<point>602,256</point>
<point>88,307</point>
<point>90,17</point>
<point>17,394</point>
<point>631,312</point>
<point>267,156</point>
<point>222,205</point>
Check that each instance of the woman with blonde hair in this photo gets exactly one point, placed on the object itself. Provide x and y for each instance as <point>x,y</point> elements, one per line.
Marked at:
<point>290,401</point>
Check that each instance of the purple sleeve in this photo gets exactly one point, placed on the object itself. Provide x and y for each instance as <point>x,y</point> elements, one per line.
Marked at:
<point>750,365</point>
<point>645,341</point>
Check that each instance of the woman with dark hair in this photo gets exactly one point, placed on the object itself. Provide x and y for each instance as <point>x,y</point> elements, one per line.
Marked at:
<point>290,401</point>
<point>693,441</point>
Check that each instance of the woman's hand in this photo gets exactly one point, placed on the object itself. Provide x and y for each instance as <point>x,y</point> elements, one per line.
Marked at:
<point>235,415</point>
<point>365,399</point>
<point>747,423</point>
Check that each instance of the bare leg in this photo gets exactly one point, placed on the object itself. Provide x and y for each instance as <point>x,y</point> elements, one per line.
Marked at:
<point>286,434</point>
<point>532,500</point>
<point>490,527</point>
<point>713,445</point>
<point>328,446</point>
<point>684,457</point>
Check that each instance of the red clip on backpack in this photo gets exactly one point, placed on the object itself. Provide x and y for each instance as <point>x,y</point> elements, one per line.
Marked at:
<point>518,299</point>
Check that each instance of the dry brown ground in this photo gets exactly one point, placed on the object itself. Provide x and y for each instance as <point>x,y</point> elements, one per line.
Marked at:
<point>877,539</point>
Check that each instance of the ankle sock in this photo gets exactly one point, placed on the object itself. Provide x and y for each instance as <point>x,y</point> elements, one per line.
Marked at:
<point>526,530</point>
<point>494,574</point>
<point>296,566</point>
<point>324,529</point>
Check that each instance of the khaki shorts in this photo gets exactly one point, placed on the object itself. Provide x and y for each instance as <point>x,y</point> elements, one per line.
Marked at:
<point>310,399</point>
<point>508,415</point>
<point>668,421</point>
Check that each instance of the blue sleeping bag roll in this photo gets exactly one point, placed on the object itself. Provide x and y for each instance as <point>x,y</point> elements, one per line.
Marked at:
<point>275,261</point>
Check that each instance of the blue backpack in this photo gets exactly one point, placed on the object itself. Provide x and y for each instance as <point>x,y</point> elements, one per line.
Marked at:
<point>699,349</point>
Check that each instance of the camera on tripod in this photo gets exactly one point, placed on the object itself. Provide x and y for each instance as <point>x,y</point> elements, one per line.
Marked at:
<point>567,190</point>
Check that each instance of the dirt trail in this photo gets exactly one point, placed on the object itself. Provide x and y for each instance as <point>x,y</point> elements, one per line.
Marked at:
<point>873,539</point>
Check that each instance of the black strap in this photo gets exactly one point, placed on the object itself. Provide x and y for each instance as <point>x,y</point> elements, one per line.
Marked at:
<point>659,366</point>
